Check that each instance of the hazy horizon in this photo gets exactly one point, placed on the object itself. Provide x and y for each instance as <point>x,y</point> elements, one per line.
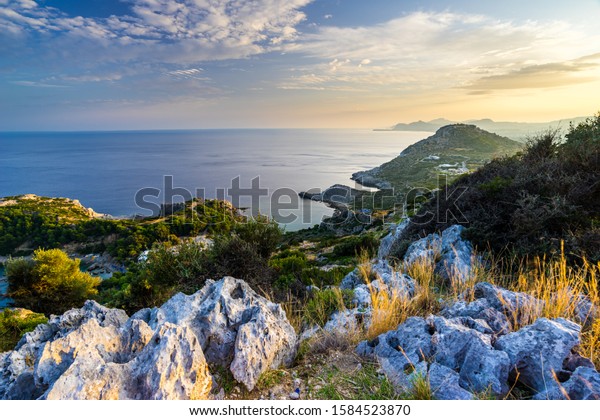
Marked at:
<point>110,65</point>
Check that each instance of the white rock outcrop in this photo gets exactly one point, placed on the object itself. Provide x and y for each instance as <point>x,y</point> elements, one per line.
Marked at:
<point>161,353</point>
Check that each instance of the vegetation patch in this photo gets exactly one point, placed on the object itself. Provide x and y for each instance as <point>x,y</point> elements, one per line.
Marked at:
<point>50,283</point>
<point>14,323</point>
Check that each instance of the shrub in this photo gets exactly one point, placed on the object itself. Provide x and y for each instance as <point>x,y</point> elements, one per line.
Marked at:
<point>183,265</point>
<point>50,283</point>
<point>356,245</point>
<point>233,256</point>
<point>16,322</point>
<point>262,233</point>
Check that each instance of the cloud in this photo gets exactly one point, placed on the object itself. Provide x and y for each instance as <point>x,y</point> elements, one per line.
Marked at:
<point>94,78</point>
<point>186,73</point>
<point>199,29</point>
<point>38,84</point>
<point>430,51</point>
<point>549,75</point>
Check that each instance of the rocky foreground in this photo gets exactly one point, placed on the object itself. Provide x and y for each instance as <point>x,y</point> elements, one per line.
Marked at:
<point>470,349</point>
<point>161,353</point>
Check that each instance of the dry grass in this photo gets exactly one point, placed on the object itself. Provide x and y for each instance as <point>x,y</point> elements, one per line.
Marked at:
<point>560,287</point>
<point>294,311</point>
<point>427,286</point>
<point>420,389</point>
<point>464,288</point>
<point>324,341</point>
<point>389,309</point>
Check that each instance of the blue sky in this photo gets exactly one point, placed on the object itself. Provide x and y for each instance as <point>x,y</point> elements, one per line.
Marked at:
<point>143,64</point>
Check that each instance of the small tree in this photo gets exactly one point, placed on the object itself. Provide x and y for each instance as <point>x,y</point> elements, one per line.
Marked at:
<point>262,233</point>
<point>50,283</point>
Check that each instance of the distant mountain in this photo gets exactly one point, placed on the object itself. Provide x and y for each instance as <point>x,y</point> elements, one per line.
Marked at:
<point>452,150</point>
<point>514,130</point>
<point>432,125</point>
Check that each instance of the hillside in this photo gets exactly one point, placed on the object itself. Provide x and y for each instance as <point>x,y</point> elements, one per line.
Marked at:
<point>29,222</point>
<point>452,151</point>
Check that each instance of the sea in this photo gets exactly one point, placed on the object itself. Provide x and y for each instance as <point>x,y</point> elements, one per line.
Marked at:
<point>107,170</point>
<point>4,301</point>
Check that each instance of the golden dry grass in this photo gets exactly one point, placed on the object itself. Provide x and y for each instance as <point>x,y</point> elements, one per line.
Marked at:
<point>391,308</point>
<point>559,287</point>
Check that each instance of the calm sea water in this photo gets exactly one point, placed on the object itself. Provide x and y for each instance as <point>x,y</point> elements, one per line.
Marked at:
<point>104,170</point>
<point>4,302</point>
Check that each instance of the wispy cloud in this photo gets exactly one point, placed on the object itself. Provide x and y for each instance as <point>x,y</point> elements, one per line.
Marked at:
<point>94,78</point>
<point>199,29</point>
<point>37,84</point>
<point>193,73</point>
<point>548,75</point>
<point>430,51</point>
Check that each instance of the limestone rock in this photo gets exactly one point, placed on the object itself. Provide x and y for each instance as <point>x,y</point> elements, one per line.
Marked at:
<point>100,353</point>
<point>480,309</point>
<point>237,328</point>
<point>455,254</point>
<point>445,384</point>
<point>348,322</point>
<point>537,352</point>
<point>516,305</point>
<point>408,345</point>
<point>97,353</point>
<point>382,275</point>
<point>458,359</point>
<point>389,243</point>
<point>584,384</point>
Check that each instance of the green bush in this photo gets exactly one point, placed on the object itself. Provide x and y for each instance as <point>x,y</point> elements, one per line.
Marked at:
<point>14,323</point>
<point>233,256</point>
<point>316,276</point>
<point>50,283</point>
<point>264,234</point>
<point>353,246</point>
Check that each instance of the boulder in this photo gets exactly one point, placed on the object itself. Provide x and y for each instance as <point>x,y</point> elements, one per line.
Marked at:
<point>382,275</point>
<point>537,352</point>
<point>519,307</point>
<point>389,243</point>
<point>99,353</point>
<point>485,370</point>
<point>479,309</point>
<point>584,384</point>
<point>452,255</point>
<point>237,328</point>
<point>585,311</point>
<point>348,322</point>
<point>170,367</point>
<point>445,384</point>
<point>459,358</point>
<point>423,249</point>
<point>406,346</point>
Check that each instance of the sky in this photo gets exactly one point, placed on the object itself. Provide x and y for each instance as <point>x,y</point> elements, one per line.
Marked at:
<point>183,64</point>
